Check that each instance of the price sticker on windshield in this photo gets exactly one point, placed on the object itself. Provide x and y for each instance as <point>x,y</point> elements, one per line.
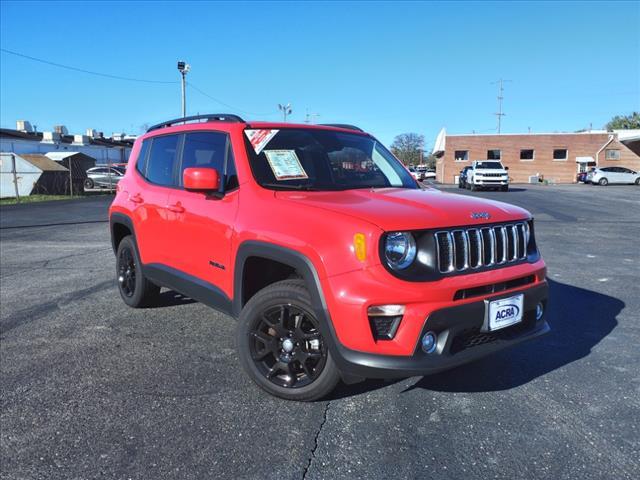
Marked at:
<point>260,138</point>
<point>285,164</point>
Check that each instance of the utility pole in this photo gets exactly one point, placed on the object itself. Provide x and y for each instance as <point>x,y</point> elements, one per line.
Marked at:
<point>500,113</point>
<point>285,109</point>
<point>184,68</point>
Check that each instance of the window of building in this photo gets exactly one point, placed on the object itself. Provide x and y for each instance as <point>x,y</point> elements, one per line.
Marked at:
<point>162,160</point>
<point>494,154</point>
<point>527,154</point>
<point>611,154</point>
<point>560,154</point>
<point>461,155</point>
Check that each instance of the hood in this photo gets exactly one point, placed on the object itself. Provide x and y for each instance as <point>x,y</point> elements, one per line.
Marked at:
<point>408,209</point>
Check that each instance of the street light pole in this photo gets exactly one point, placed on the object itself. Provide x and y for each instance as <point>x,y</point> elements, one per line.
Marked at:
<point>285,109</point>
<point>184,68</point>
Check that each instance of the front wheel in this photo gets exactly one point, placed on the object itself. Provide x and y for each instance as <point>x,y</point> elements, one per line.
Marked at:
<point>604,182</point>
<point>504,188</point>
<point>280,344</point>
<point>88,184</point>
<point>637,182</point>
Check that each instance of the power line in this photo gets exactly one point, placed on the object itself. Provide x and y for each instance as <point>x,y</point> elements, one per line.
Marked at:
<point>76,69</point>
<point>217,100</point>
<point>130,79</point>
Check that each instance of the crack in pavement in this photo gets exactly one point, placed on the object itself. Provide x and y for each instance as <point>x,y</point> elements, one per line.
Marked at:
<point>315,442</point>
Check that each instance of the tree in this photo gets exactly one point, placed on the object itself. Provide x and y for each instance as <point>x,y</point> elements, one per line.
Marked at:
<point>409,148</point>
<point>624,122</point>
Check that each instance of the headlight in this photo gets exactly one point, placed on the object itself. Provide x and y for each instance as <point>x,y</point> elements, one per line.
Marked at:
<point>400,250</point>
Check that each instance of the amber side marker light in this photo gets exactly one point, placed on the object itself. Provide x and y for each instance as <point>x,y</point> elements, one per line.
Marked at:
<point>360,246</point>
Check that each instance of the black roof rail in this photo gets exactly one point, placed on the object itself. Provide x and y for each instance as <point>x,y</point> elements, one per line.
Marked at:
<point>342,125</point>
<point>209,117</point>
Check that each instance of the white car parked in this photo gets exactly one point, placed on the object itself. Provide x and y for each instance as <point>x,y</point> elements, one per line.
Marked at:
<point>607,175</point>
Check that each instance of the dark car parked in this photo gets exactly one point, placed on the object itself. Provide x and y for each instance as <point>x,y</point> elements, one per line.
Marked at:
<point>462,178</point>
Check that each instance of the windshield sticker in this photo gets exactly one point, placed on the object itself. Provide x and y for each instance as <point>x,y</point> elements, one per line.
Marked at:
<point>260,138</point>
<point>285,164</point>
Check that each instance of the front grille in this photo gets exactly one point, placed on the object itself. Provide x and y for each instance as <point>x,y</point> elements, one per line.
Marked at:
<point>471,248</point>
<point>491,175</point>
<point>492,288</point>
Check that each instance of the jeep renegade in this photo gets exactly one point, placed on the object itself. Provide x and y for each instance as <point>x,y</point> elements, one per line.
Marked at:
<point>335,262</point>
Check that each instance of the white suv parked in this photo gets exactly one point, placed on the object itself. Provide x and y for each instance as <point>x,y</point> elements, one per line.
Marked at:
<point>607,175</point>
<point>487,174</point>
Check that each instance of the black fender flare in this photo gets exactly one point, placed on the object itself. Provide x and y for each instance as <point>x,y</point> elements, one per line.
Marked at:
<point>287,256</point>
<point>118,218</point>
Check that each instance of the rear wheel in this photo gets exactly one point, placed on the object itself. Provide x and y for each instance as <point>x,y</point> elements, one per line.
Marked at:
<point>637,181</point>
<point>604,182</point>
<point>135,289</point>
<point>280,344</point>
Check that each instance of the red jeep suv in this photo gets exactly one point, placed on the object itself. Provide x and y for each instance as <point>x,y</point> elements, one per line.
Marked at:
<point>335,262</point>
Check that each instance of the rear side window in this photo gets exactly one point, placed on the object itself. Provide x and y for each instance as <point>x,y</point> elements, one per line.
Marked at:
<point>210,150</point>
<point>162,160</point>
<point>142,157</point>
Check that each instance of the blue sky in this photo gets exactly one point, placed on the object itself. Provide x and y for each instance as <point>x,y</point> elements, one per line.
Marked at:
<point>389,67</point>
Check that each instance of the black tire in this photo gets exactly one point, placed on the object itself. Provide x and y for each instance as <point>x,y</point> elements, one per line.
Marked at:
<point>88,184</point>
<point>280,313</point>
<point>604,182</point>
<point>637,182</point>
<point>474,187</point>
<point>135,289</point>
<point>504,188</point>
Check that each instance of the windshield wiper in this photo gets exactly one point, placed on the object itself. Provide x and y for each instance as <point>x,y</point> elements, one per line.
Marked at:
<point>280,186</point>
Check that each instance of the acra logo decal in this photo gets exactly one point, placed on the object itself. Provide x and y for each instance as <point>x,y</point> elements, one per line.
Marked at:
<point>508,311</point>
<point>480,215</point>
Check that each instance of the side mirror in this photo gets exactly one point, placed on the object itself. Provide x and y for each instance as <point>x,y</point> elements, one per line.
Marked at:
<point>201,179</point>
<point>506,168</point>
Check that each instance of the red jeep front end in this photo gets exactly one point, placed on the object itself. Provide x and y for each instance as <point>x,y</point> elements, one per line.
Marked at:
<point>471,257</point>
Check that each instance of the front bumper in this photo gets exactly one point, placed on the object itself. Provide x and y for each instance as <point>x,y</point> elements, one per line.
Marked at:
<point>459,340</point>
<point>489,182</point>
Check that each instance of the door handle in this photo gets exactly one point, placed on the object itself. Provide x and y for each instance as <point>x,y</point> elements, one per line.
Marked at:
<point>136,198</point>
<point>176,207</point>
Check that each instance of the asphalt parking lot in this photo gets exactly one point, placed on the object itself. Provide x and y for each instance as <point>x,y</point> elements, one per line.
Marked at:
<point>93,389</point>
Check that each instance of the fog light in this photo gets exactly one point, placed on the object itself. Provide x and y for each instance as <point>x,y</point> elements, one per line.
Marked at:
<point>539,311</point>
<point>429,342</point>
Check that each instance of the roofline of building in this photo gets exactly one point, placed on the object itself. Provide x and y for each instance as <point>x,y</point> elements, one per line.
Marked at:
<point>590,132</point>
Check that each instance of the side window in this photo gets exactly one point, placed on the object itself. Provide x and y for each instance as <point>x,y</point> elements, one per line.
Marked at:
<point>162,160</point>
<point>210,150</point>
<point>142,156</point>
<point>232,174</point>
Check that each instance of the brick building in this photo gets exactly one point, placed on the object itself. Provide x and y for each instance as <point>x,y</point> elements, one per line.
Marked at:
<point>556,157</point>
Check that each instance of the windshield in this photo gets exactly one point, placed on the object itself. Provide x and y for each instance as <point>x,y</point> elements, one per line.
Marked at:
<point>492,165</point>
<point>314,159</point>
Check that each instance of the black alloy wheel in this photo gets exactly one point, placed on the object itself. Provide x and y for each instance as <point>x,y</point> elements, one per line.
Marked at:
<point>135,289</point>
<point>286,346</point>
<point>127,272</point>
<point>281,345</point>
